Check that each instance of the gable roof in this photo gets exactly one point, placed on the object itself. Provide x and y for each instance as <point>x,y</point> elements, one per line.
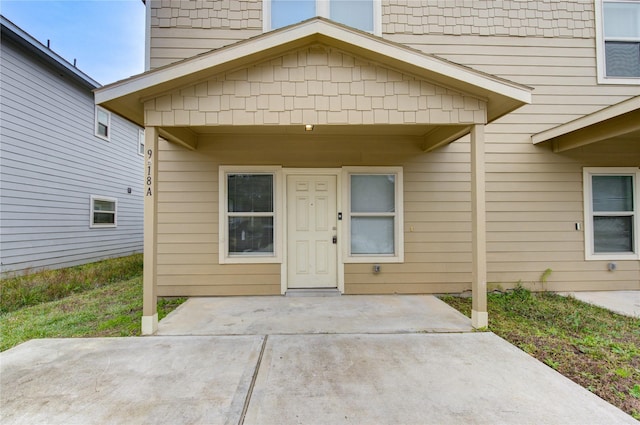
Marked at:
<point>126,97</point>
<point>619,120</point>
<point>11,31</point>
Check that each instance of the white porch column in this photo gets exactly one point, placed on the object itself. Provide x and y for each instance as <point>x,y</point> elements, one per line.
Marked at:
<point>150,299</point>
<point>479,314</point>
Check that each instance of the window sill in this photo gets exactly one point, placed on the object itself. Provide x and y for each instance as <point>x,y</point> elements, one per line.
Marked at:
<point>251,260</point>
<point>629,81</point>
<point>613,257</point>
<point>373,259</point>
<point>99,136</point>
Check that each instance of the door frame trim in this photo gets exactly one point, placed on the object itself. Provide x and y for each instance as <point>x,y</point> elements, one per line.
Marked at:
<point>286,172</point>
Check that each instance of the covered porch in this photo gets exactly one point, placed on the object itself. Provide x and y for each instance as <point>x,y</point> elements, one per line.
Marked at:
<point>314,104</point>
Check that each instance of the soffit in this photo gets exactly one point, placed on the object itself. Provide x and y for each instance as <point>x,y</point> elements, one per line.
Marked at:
<point>617,122</point>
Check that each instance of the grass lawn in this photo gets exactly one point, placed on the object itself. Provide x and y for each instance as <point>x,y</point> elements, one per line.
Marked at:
<point>594,347</point>
<point>101,306</point>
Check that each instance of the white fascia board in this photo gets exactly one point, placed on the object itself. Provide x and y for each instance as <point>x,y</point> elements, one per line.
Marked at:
<point>199,63</point>
<point>607,113</point>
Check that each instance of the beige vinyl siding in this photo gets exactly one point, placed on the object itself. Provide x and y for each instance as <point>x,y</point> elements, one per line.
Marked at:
<point>188,231</point>
<point>534,196</point>
<point>180,29</point>
<point>437,224</point>
<point>436,202</point>
<point>169,45</point>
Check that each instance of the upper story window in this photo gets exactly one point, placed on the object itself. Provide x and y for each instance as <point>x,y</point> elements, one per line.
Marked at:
<point>618,31</point>
<point>141,142</point>
<point>365,15</point>
<point>103,123</point>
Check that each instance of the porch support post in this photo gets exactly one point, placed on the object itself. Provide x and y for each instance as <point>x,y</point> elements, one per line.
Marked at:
<point>149,298</point>
<point>479,314</point>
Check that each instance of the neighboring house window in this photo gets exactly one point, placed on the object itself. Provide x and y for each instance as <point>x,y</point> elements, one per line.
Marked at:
<point>611,213</point>
<point>618,32</point>
<point>103,212</point>
<point>365,15</point>
<point>249,217</point>
<point>103,123</point>
<point>141,142</point>
<point>374,201</point>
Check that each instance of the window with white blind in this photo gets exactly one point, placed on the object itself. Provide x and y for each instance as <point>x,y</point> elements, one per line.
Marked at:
<point>618,48</point>
<point>374,202</point>
<point>365,15</point>
<point>611,213</point>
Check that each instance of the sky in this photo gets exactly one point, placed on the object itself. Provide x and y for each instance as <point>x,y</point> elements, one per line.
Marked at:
<point>106,37</point>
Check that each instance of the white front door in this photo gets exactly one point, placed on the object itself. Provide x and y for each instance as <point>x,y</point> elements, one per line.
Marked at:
<point>311,231</point>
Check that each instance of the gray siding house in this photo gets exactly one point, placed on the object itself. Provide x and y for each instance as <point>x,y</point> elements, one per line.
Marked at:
<point>70,172</point>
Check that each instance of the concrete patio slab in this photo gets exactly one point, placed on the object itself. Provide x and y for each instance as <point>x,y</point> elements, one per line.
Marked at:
<point>467,378</point>
<point>395,371</point>
<point>346,314</point>
<point>195,380</point>
<point>621,302</point>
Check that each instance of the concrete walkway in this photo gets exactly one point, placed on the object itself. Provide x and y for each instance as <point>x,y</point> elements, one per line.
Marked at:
<point>293,378</point>
<point>621,302</point>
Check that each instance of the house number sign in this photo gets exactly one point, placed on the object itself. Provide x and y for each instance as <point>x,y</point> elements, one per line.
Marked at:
<point>149,177</point>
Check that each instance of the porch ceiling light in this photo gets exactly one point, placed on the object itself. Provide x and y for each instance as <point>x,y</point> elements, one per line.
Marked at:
<point>308,127</point>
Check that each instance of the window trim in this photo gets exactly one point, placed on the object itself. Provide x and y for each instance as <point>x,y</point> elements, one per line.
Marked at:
<point>141,142</point>
<point>588,172</point>
<point>322,10</point>
<point>94,225</point>
<point>96,122</point>
<point>223,222</point>
<point>398,257</point>
<point>601,66</point>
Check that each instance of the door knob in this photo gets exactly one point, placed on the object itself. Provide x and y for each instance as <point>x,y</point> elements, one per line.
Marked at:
<point>335,239</point>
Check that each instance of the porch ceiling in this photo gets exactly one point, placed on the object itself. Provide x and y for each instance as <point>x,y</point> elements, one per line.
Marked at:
<point>323,130</point>
<point>427,137</point>
<point>618,122</point>
<point>497,95</point>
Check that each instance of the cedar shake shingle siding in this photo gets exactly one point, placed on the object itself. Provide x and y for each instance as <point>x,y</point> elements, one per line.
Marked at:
<point>318,85</point>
